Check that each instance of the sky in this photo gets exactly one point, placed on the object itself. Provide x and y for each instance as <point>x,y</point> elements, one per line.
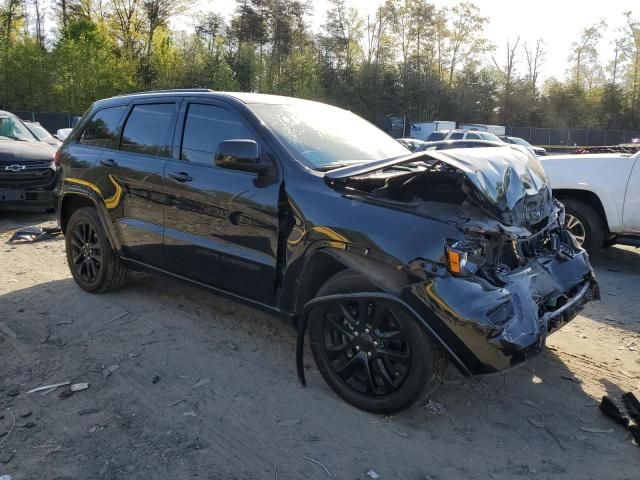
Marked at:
<point>558,22</point>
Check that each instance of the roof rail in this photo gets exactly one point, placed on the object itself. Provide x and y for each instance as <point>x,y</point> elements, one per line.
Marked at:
<point>172,90</point>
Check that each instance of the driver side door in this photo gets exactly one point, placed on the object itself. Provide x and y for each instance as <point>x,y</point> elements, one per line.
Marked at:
<point>221,225</point>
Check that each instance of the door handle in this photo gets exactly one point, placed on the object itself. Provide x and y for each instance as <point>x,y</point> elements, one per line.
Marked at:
<point>180,177</point>
<point>108,162</point>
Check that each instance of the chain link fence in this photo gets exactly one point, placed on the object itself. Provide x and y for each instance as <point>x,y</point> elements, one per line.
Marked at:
<point>572,136</point>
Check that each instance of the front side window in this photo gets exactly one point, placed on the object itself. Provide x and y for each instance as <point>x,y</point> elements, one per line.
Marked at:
<point>205,127</point>
<point>101,129</point>
<point>325,137</point>
<point>147,129</point>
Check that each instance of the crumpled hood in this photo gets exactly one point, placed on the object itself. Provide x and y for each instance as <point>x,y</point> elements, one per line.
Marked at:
<point>24,152</point>
<point>507,182</point>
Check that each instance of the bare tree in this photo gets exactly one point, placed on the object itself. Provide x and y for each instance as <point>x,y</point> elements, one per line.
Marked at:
<point>507,72</point>
<point>535,58</point>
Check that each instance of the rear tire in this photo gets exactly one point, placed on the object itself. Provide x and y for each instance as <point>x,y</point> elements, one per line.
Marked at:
<point>585,224</point>
<point>406,365</point>
<point>93,263</point>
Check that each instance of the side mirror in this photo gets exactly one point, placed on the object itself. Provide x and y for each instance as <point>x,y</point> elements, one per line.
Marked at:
<point>241,155</point>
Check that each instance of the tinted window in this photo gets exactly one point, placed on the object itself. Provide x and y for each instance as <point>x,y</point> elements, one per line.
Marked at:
<point>101,129</point>
<point>205,127</point>
<point>147,129</point>
<point>473,136</point>
<point>456,136</point>
<point>435,136</point>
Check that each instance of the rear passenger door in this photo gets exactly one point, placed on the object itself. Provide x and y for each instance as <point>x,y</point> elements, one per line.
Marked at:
<point>136,172</point>
<point>222,225</point>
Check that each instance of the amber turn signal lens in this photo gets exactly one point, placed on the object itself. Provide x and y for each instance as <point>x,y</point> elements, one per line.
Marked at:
<point>454,261</point>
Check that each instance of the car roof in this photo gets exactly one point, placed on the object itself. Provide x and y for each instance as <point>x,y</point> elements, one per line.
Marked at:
<point>243,97</point>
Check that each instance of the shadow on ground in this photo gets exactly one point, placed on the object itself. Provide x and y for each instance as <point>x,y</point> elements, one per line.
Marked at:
<point>205,387</point>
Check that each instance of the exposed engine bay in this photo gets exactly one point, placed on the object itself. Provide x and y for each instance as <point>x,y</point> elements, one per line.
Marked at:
<point>500,199</point>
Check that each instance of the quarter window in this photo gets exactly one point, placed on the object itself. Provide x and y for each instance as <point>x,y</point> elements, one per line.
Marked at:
<point>205,127</point>
<point>147,129</point>
<point>101,129</point>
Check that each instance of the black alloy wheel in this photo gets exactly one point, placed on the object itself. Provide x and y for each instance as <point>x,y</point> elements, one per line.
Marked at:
<point>93,263</point>
<point>371,351</point>
<point>86,251</point>
<point>367,345</point>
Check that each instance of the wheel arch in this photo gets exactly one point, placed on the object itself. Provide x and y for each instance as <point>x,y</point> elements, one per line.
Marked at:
<point>74,199</point>
<point>323,263</point>
<point>586,196</point>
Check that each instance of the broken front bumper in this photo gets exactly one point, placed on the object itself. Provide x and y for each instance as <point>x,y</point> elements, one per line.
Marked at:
<point>488,328</point>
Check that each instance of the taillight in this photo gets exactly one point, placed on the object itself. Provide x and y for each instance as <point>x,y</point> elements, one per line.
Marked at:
<point>57,157</point>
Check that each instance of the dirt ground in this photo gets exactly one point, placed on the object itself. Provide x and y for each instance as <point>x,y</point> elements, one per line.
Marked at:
<point>184,384</point>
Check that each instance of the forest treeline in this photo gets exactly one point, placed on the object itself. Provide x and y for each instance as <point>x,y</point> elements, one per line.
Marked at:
<point>409,58</point>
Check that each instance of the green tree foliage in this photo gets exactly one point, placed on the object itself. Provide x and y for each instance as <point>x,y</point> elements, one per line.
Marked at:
<point>411,58</point>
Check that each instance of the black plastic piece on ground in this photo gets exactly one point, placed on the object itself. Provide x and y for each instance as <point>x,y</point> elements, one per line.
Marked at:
<point>632,406</point>
<point>612,411</point>
<point>35,234</point>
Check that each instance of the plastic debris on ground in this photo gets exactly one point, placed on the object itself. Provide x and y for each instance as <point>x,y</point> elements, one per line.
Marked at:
<point>34,234</point>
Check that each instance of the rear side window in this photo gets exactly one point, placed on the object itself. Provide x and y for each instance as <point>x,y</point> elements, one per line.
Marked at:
<point>435,136</point>
<point>101,129</point>
<point>473,136</point>
<point>456,136</point>
<point>147,129</point>
<point>205,127</point>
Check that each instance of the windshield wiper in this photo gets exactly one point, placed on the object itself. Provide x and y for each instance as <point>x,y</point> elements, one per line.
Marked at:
<point>333,166</point>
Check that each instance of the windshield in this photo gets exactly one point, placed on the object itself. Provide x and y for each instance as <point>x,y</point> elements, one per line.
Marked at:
<point>520,141</point>
<point>489,137</point>
<point>323,136</point>
<point>11,127</point>
<point>39,131</point>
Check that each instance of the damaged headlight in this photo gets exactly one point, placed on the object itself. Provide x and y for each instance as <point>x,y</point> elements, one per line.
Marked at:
<point>465,257</point>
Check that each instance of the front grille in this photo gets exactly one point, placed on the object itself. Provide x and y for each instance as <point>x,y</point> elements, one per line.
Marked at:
<point>28,178</point>
<point>29,165</point>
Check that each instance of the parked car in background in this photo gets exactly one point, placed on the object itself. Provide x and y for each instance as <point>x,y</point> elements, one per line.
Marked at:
<point>411,143</point>
<point>450,144</point>
<point>394,263</point>
<point>539,151</point>
<point>437,135</point>
<point>42,133</point>
<point>63,133</point>
<point>27,172</point>
<point>601,194</point>
<point>471,135</point>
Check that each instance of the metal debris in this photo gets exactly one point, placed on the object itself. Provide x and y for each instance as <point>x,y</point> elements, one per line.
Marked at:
<point>596,430</point>
<point>48,387</point>
<point>312,460</point>
<point>78,387</point>
<point>372,474</point>
<point>34,234</point>
<point>434,407</point>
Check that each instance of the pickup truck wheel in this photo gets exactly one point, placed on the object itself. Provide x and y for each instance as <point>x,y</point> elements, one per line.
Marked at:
<point>585,224</point>
<point>372,353</point>
<point>93,264</point>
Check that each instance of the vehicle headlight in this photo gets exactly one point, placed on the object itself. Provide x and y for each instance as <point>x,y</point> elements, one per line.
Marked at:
<point>465,257</point>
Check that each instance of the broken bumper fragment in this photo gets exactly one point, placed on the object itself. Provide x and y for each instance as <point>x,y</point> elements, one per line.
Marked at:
<point>489,328</point>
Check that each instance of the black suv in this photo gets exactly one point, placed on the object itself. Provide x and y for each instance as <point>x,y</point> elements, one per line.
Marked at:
<point>394,263</point>
<point>27,171</point>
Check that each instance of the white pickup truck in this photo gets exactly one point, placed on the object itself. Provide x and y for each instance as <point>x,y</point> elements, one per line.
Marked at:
<point>601,193</point>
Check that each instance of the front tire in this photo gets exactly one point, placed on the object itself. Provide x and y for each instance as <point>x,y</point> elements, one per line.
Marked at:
<point>585,224</point>
<point>373,354</point>
<point>93,264</point>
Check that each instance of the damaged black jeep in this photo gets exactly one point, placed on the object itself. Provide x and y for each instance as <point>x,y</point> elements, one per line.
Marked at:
<point>393,263</point>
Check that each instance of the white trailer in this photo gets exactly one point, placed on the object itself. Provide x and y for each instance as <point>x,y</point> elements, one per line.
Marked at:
<point>422,130</point>
<point>495,129</point>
